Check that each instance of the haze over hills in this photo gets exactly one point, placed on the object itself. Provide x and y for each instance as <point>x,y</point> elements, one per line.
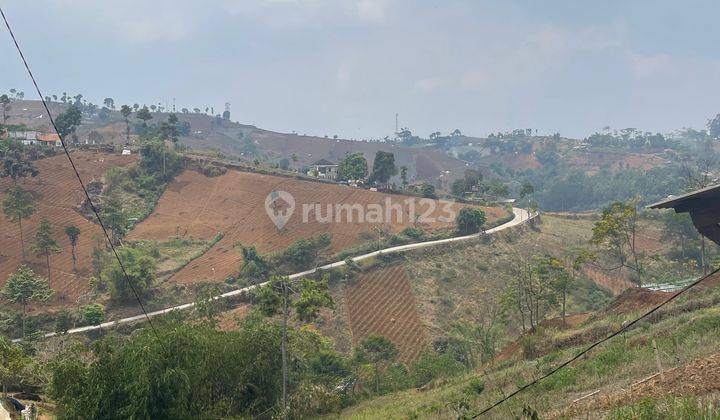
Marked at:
<point>404,210</point>
<point>186,205</point>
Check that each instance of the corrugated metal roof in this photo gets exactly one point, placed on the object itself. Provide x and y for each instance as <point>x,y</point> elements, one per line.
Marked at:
<point>673,202</point>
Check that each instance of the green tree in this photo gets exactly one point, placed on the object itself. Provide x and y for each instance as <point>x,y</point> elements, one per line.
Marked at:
<point>109,102</point>
<point>404,176</point>
<point>529,293</point>
<point>157,161</point>
<point>378,351</point>
<point>17,205</point>
<point>68,121</point>
<point>73,233</point>
<point>478,340</point>
<point>254,267</point>
<point>115,218</point>
<point>125,111</point>
<point>277,298</point>
<point>383,167</point>
<point>526,190</point>
<point>302,254</point>
<point>553,270</point>
<point>5,101</point>
<point>206,307</point>
<point>192,371</point>
<point>616,232</point>
<point>284,164</point>
<point>45,244</point>
<point>169,130</point>
<point>13,362</point>
<point>63,321</point>
<point>353,167</point>
<point>144,115</point>
<point>458,188</point>
<point>104,114</point>
<point>472,179</point>
<point>678,230</point>
<point>15,163</point>
<point>428,190</point>
<point>93,314</point>
<point>140,269</point>
<point>470,220</point>
<point>25,287</point>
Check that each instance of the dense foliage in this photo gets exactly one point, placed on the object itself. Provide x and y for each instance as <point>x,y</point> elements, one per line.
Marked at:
<point>191,372</point>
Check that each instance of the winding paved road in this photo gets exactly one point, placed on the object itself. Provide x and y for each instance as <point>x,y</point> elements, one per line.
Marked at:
<point>521,216</point>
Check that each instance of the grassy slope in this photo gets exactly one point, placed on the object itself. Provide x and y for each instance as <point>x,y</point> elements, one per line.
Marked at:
<point>462,282</point>
<point>687,330</point>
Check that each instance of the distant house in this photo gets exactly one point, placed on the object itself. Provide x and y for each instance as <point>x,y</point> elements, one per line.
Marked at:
<point>324,169</point>
<point>49,140</point>
<point>26,137</point>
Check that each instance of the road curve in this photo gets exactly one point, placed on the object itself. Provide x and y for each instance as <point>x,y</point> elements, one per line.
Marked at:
<point>520,216</point>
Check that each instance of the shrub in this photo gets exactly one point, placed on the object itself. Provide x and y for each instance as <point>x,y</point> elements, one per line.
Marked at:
<point>140,269</point>
<point>413,232</point>
<point>428,190</point>
<point>470,220</point>
<point>476,386</point>
<point>431,366</point>
<point>93,314</point>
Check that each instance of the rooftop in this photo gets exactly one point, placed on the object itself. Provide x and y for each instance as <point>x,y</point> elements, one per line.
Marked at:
<point>324,162</point>
<point>703,206</point>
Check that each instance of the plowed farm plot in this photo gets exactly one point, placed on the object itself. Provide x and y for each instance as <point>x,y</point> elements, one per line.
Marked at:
<point>381,302</point>
<point>59,196</point>
<point>234,204</point>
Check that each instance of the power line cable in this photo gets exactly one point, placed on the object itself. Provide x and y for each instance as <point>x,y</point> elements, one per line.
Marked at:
<point>618,332</point>
<point>77,174</point>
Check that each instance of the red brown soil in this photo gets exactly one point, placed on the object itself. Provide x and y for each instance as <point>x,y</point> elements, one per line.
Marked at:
<point>710,283</point>
<point>381,303</point>
<point>614,283</point>
<point>571,320</point>
<point>634,299</point>
<point>234,204</point>
<point>60,196</point>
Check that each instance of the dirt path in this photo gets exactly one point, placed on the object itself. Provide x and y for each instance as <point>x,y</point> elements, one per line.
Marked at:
<point>521,216</point>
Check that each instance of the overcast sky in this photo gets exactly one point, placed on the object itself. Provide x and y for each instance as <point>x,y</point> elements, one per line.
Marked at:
<point>346,67</point>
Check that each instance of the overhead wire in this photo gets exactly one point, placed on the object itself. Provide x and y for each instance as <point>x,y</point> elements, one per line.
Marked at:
<point>79,178</point>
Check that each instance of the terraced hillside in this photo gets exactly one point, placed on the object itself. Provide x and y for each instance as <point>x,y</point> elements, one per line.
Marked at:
<point>381,303</point>
<point>60,195</point>
<point>234,204</point>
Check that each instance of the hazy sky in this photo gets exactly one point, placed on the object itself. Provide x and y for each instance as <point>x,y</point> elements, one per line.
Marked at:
<point>346,67</point>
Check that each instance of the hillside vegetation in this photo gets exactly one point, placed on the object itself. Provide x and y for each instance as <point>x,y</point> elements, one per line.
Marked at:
<point>685,333</point>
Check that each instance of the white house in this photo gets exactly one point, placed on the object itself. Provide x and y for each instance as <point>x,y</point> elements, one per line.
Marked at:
<point>324,169</point>
<point>26,137</point>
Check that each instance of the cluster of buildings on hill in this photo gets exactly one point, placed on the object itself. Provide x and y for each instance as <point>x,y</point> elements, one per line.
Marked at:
<point>30,137</point>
